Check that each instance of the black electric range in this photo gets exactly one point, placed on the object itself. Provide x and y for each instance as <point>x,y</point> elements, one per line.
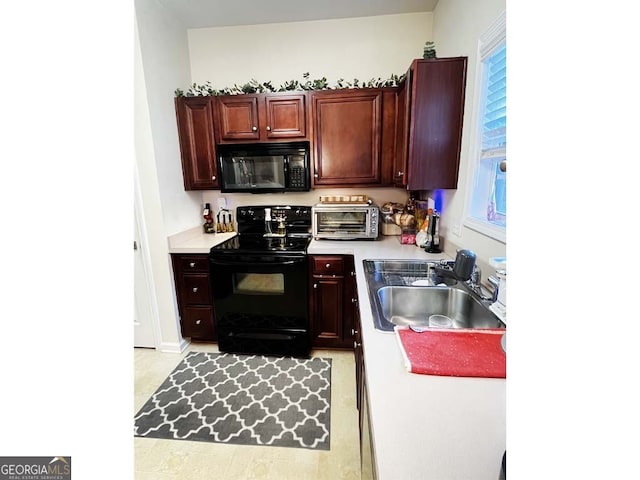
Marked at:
<point>248,244</point>
<point>257,235</point>
<point>259,282</point>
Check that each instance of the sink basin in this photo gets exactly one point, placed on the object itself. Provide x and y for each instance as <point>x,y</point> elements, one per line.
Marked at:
<point>412,306</point>
<point>407,292</point>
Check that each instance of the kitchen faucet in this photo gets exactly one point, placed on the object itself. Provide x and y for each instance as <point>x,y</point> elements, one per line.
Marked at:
<point>465,271</point>
<point>474,283</point>
<point>463,266</point>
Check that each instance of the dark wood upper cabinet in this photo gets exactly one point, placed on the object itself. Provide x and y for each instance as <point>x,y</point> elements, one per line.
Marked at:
<point>197,145</point>
<point>429,124</point>
<point>353,136</point>
<point>261,117</point>
<point>408,137</point>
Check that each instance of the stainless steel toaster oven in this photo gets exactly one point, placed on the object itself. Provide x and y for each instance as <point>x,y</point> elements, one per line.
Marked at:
<point>343,221</point>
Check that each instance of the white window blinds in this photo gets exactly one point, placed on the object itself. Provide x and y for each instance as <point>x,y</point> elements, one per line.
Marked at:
<point>487,199</point>
<point>494,118</point>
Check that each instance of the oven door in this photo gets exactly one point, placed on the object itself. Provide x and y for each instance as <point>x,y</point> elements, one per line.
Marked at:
<point>261,303</point>
<point>338,223</point>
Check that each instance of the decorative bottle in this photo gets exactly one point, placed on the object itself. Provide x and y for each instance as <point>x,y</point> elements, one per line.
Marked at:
<point>208,219</point>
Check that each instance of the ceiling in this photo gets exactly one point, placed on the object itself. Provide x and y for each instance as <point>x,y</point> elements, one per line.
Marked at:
<point>218,13</point>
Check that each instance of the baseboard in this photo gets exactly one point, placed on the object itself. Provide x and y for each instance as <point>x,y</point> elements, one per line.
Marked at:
<point>173,347</point>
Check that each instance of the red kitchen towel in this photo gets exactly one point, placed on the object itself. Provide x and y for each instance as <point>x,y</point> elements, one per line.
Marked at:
<point>457,353</point>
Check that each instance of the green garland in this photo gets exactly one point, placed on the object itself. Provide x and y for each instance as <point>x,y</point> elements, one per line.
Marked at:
<point>254,86</point>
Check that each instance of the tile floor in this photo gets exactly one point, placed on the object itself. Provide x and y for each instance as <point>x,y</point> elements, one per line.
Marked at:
<point>157,459</point>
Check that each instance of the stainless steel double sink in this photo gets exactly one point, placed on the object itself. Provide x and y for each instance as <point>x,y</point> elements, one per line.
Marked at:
<point>408,292</point>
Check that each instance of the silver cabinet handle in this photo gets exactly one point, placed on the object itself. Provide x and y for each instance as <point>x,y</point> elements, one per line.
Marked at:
<point>400,174</point>
<point>255,129</point>
<point>328,265</point>
<point>315,175</point>
<point>353,274</point>
<point>315,285</point>
<point>356,344</point>
<point>198,322</point>
<point>354,300</point>
<point>195,289</point>
<point>213,178</point>
<point>192,264</point>
<point>268,128</point>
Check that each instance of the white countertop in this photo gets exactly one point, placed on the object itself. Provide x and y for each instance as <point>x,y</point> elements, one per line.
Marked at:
<point>195,240</point>
<point>423,427</point>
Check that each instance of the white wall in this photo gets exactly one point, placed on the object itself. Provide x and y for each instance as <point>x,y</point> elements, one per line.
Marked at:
<point>378,195</point>
<point>457,27</point>
<point>363,48</point>
<point>161,62</point>
<point>165,56</point>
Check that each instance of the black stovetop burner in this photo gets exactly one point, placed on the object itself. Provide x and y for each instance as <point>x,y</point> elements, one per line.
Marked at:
<point>257,244</point>
<point>251,237</point>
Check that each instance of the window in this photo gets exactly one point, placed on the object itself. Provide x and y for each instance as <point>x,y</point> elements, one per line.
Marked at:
<point>487,202</point>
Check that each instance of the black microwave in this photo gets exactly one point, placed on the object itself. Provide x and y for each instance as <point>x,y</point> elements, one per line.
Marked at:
<point>264,167</point>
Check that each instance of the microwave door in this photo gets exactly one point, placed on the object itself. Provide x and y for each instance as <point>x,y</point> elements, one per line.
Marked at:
<point>238,172</point>
<point>270,172</point>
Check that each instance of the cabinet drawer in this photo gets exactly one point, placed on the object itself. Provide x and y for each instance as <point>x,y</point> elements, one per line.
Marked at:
<point>194,263</point>
<point>328,265</point>
<point>196,289</point>
<point>197,322</point>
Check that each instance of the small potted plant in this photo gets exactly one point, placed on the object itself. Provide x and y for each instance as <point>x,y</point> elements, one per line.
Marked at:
<point>429,50</point>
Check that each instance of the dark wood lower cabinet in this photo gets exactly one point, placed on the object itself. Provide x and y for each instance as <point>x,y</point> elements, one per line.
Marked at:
<point>193,290</point>
<point>333,300</point>
<point>367,457</point>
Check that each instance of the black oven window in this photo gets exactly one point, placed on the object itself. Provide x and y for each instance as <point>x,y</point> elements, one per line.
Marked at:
<point>342,221</point>
<point>258,283</point>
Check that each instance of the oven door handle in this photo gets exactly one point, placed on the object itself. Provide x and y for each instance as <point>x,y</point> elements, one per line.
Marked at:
<point>215,261</point>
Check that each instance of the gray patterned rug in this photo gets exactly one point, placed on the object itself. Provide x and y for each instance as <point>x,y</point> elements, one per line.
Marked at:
<point>242,399</point>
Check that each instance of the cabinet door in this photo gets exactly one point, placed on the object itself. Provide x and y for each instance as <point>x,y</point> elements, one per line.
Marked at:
<point>435,134</point>
<point>197,322</point>
<point>197,143</point>
<point>359,360</point>
<point>327,317</point>
<point>351,309</point>
<point>238,118</point>
<point>195,288</point>
<point>402,132</point>
<point>285,116</point>
<point>347,134</point>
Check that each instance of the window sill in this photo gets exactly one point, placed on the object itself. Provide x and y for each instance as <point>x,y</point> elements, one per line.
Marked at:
<point>491,231</point>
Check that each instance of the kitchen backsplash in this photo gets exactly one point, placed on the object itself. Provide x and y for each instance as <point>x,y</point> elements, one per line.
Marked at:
<point>378,195</point>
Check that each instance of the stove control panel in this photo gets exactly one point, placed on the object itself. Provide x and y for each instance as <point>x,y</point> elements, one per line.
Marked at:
<point>296,217</point>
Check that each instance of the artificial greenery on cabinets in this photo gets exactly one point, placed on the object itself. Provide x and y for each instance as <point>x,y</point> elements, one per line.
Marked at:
<point>253,86</point>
